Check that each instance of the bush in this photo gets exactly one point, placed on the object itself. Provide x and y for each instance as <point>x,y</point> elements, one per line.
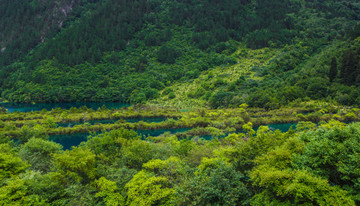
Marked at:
<point>38,153</point>
<point>221,99</point>
<point>172,95</point>
<point>167,55</point>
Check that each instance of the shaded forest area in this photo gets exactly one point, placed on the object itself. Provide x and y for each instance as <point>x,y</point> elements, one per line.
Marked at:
<point>136,51</point>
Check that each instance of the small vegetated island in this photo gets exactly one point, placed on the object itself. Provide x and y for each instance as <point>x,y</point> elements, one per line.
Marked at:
<point>179,102</point>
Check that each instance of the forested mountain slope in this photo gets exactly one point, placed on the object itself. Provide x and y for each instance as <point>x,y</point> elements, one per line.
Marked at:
<point>25,24</point>
<point>136,51</point>
<point>208,81</point>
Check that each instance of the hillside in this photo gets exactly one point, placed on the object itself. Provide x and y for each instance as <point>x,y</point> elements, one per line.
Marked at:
<point>180,102</point>
<point>183,53</point>
<point>261,78</point>
<point>25,24</point>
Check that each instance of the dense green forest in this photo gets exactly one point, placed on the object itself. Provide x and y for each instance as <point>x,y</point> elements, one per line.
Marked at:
<point>316,164</point>
<point>216,75</point>
<point>136,51</point>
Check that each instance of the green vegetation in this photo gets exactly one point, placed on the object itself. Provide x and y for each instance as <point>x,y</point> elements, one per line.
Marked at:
<point>251,168</point>
<point>121,168</point>
<point>217,71</point>
<point>217,122</point>
<point>187,54</point>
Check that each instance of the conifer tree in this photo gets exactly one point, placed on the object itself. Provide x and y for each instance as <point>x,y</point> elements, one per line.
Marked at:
<point>357,72</point>
<point>333,69</point>
<point>348,68</point>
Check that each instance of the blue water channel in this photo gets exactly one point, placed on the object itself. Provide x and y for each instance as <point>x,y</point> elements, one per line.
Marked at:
<point>69,140</point>
<point>112,121</point>
<point>282,127</point>
<point>24,107</point>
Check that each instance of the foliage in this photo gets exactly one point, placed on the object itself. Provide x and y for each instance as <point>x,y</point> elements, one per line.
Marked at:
<point>147,189</point>
<point>333,69</point>
<point>107,191</point>
<point>38,153</point>
<point>233,66</point>
<point>109,144</point>
<point>310,165</point>
<point>76,164</point>
<point>131,51</point>
<point>10,163</point>
<point>332,154</point>
<point>215,182</point>
<point>297,187</point>
<point>253,146</point>
<point>15,192</point>
<point>282,185</point>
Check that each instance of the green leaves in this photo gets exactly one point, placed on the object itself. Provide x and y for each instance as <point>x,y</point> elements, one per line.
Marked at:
<point>167,55</point>
<point>77,164</point>
<point>333,154</point>
<point>37,131</point>
<point>147,189</point>
<point>215,182</point>
<point>10,163</point>
<point>280,184</point>
<point>15,192</point>
<point>107,191</point>
<point>109,144</point>
<point>38,153</point>
<point>296,187</point>
<point>319,167</point>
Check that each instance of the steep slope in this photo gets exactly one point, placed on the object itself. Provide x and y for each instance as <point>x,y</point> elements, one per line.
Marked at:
<point>262,78</point>
<point>24,24</point>
<point>219,82</point>
<point>130,50</point>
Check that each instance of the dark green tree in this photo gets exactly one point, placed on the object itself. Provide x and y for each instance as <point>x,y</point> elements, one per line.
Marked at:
<point>333,69</point>
<point>348,68</point>
<point>357,73</point>
<point>167,55</point>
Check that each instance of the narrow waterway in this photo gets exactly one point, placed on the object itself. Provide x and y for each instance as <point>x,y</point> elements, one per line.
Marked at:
<point>69,140</point>
<point>26,107</point>
<point>112,121</point>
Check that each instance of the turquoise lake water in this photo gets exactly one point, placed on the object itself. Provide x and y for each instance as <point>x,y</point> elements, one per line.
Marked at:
<point>24,107</point>
<point>69,140</point>
<point>281,127</point>
<point>75,139</point>
<point>112,121</point>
